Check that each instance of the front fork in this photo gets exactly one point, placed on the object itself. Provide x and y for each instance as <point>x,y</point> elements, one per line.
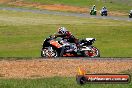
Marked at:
<point>62,51</point>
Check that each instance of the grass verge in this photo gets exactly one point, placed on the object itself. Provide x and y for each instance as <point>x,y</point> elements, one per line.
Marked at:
<point>22,33</point>
<point>55,82</point>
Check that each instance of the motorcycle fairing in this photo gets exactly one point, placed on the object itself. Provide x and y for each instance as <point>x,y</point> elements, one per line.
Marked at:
<point>86,48</point>
<point>89,39</point>
<point>55,43</point>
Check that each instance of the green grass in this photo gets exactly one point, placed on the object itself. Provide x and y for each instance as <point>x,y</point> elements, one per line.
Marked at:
<point>110,4</point>
<point>54,82</point>
<point>22,33</point>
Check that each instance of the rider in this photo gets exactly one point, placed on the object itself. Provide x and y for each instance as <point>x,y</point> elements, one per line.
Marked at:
<point>66,35</point>
<point>130,14</point>
<point>104,9</point>
<point>93,8</point>
<point>130,11</point>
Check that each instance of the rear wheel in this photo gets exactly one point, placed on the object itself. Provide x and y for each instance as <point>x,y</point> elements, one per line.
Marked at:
<point>49,52</point>
<point>95,13</point>
<point>94,52</point>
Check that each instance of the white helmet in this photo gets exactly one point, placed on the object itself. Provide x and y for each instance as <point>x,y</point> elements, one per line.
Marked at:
<point>62,30</point>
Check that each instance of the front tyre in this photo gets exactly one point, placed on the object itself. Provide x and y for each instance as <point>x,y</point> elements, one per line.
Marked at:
<point>106,14</point>
<point>49,52</point>
<point>94,52</point>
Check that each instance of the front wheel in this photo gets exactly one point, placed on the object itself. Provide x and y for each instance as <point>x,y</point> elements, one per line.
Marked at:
<point>94,52</point>
<point>106,14</point>
<point>49,52</point>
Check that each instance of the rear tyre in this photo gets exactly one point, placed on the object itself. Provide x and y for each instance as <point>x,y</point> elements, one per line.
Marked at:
<point>95,13</point>
<point>94,52</point>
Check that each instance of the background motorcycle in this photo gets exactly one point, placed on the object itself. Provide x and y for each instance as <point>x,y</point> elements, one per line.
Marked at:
<point>103,12</point>
<point>53,48</point>
<point>93,12</point>
<point>130,15</point>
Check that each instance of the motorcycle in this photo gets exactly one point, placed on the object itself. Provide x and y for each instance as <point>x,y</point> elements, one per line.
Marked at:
<point>53,48</point>
<point>103,12</point>
<point>130,15</point>
<point>93,12</point>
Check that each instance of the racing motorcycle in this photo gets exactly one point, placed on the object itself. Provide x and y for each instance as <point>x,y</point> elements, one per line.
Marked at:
<point>103,12</point>
<point>93,12</point>
<point>52,47</point>
<point>130,15</point>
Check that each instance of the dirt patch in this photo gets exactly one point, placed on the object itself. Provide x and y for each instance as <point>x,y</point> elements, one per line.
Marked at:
<point>60,7</point>
<point>64,67</point>
<point>5,1</point>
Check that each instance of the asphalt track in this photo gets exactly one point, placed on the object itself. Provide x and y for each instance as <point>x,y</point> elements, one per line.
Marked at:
<point>84,15</point>
<point>68,58</point>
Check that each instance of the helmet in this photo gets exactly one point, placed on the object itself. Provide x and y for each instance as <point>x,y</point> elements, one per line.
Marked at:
<point>103,7</point>
<point>62,30</point>
<point>93,5</point>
